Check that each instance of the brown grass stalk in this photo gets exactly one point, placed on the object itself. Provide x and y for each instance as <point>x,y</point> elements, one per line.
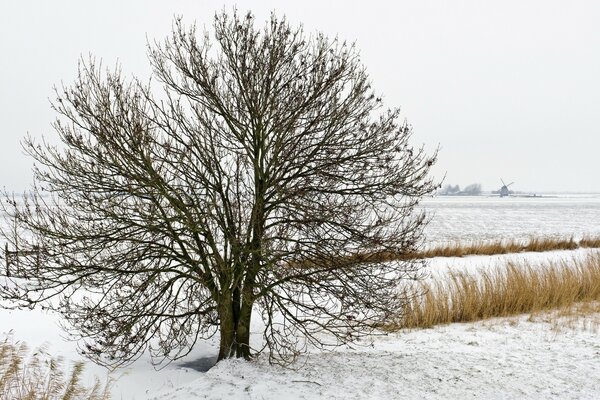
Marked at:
<point>510,290</point>
<point>484,248</point>
<point>590,242</point>
<point>488,248</point>
<point>39,376</point>
<point>462,249</point>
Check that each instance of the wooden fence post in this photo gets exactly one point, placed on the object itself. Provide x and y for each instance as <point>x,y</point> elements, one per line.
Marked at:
<point>6,258</point>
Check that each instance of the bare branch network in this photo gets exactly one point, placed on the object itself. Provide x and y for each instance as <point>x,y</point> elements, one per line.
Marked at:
<point>257,172</point>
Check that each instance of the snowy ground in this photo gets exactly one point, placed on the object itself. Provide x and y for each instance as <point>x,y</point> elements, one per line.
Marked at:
<point>511,358</point>
<point>474,218</point>
<point>504,359</point>
<point>525,357</point>
<point>438,267</point>
<point>496,359</point>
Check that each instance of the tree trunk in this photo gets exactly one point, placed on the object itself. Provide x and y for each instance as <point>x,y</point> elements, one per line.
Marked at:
<point>243,331</point>
<point>234,329</point>
<point>227,330</point>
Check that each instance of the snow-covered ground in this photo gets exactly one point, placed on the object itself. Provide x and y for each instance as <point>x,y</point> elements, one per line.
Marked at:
<point>496,359</point>
<point>504,358</point>
<point>138,381</point>
<point>459,218</point>
<point>525,357</point>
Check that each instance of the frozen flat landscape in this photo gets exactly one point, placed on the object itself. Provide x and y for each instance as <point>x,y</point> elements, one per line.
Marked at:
<point>215,151</point>
<point>460,218</point>
<point>512,358</point>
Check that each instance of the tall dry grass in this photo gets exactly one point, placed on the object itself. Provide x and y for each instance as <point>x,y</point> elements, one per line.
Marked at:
<point>462,249</point>
<point>38,376</point>
<point>590,242</point>
<point>488,248</point>
<point>513,289</point>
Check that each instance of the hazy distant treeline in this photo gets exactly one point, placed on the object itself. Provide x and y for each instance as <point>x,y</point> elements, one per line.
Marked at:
<point>473,189</point>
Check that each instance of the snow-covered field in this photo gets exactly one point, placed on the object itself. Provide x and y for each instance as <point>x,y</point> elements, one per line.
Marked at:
<point>474,218</point>
<point>496,359</point>
<point>505,358</point>
<point>512,358</point>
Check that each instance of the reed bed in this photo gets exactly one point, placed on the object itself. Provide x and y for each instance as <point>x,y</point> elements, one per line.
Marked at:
<point>485,248</point>
<point>488,248</point>
<point>590,242</point>
<point>39,376</point>
<point>499,292</point>
<point>463,249</point>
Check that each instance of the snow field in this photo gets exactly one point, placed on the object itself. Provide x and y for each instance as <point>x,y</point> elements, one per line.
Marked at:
<point>463,218</point>
<point>513,358</point>
<point>496,359</point>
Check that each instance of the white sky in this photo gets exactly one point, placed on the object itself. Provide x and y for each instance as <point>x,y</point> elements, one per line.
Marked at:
<point>506,88</point>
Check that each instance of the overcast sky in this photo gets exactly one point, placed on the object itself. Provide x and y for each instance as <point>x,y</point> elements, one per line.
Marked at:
<point>506,89</point>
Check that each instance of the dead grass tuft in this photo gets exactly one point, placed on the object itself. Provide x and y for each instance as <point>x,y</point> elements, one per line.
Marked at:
<point>39,376</point>
<point>511,290</point>
<point>590,242</point>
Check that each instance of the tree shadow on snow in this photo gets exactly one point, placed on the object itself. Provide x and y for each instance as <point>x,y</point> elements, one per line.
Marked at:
<point>202,364</point>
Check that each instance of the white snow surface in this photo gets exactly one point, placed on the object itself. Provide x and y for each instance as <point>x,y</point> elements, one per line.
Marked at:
<point>513,358</point>
<point>463,218</point>
<point>496,359</point>
<point>525,357</point>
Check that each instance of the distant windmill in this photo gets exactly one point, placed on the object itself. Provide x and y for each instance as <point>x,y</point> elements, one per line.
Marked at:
<point>504,189</point>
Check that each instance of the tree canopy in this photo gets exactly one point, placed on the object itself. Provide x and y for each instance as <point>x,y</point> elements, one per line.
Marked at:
<point>257,174</point>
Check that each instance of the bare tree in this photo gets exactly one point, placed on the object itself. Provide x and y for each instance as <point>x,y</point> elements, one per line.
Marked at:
<point>265,176</point>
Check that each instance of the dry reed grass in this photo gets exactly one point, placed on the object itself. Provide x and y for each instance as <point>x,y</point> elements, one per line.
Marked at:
<point>40,377</point>
<point>488,248</point>
<point>462,249</point>
<point>590,242</point>
<point>511,290</point>
<point>483,248</point>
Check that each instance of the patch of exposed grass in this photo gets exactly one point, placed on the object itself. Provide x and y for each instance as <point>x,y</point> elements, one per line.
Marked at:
<point>39,376</point>
<point>488,248</point>
<point>511,290</point>
<point>590,242</point>
<point>463,249</point>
